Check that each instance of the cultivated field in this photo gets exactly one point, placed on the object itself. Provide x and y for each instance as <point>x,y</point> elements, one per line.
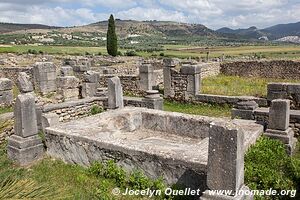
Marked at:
<point>181,51</point>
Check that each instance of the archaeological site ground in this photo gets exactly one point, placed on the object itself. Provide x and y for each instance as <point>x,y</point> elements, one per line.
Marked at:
<point>183,113</point>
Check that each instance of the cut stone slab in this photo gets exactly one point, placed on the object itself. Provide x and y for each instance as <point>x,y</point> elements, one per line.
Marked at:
<point>279,114</point>
<point>115,93</point>
<point>25,116</point>
<point>49,119</point>
<point>6,97</point>
<point>66,71</point>
<point>89,90</point>
<point>68,82</point>
<point>24,151</point>
<point>23,82</point>
<point>225,157</point>
<point>5,84</point>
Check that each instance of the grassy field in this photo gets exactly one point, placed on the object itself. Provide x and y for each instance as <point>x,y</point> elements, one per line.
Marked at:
<point>238,86</point>
<point>181,51</point>
<point>201,109</point>
<point>274,52</point>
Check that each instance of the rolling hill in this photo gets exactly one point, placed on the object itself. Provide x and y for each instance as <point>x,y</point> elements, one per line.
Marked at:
<point>272,33</point>
<point>10,27</point>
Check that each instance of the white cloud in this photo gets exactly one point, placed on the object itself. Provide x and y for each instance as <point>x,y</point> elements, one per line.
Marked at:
<point>212,13</point>
<point>152,14</point>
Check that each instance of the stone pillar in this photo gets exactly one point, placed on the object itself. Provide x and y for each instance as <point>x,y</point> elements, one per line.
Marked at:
<point>68,88</point>
<point>153,100</point>
<point>115,93</point>
<point>193,80</point>
<point>244,110</point>
<point>25,146</point>
<point>146,77</point>
<point>90,84</point>
<point>278,126</point>
<point>6,93</point>
<point>225,167</point>
<point>44,77</point>
<point>168,65</point>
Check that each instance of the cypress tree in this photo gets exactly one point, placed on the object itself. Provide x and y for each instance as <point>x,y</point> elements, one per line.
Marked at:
<point>112,40</point>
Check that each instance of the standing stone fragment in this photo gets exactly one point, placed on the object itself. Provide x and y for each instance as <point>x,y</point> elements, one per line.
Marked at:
<point>115,93</point>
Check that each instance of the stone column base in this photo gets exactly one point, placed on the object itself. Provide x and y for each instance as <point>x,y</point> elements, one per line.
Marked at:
<point>207,196</point>
<point>287,137</point>
<point>24,151</point>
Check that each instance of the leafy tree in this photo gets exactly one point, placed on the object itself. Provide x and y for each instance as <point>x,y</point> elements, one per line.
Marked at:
<point>112,40</point>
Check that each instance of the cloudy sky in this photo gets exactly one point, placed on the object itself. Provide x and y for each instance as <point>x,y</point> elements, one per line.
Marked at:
<point>212,13</point>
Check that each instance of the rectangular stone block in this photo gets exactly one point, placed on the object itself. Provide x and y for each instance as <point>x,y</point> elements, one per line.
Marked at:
<point>279,114</point>
<point>167,82</point>
<point>225,157</point>
<point>24,151</point>
<point>69,94</point>
<point>66,71</point>
<point>89,89</point>
<point>242,114</point>
<point>146,68</point>
<point>115,93</point>
<point>277,86</point>
<point>5,84</point>
<point>190,69</point>
<point>68,82</point>
<point>49,119</point>
<point>6,97</point>
<point>284,136</point>
<point>25,116</point>
<point>91,77</point>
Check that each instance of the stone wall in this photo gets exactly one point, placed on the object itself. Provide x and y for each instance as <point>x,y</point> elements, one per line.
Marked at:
<point>289,91</point>
<point>210,69</point>
<point>130,83</point>
<point>282,69</point>
<point>12,72</point>
<point>74,109</point>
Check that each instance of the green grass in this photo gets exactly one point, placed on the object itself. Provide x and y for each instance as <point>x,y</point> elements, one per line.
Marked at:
<point>54,49</point>
<point>198,109</point>
<point>180,51</point>
<point>5,110</point>
<point>268,166</point>
<point>238,86</point>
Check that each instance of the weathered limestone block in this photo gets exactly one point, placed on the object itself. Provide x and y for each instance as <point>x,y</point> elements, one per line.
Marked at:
<point>146,74</point>
<point>6,93</point>
<point>115,93</point>
<point>153,100</point>
<point>91,77</point>
<point>66,71</point>
<point>279,115</point>
<point>68,82</point>
<point>23,82</point>
<point>69,94</point>
<point>5,84</point>
<point>48,120</point>
<point>25,116</point>
<point>79,64</point>
<point>244,110</point>
<point>25,146</point>
<point>45,77</point>
<point>279,121</point>
<point>89,89</point>
<point>225,157</point>
<point>24,151</point>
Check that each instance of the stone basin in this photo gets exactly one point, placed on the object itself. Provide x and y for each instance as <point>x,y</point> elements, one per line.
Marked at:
<point>167,144</point>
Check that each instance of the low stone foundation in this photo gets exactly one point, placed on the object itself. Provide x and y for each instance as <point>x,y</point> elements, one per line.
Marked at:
<point>171,145</point>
